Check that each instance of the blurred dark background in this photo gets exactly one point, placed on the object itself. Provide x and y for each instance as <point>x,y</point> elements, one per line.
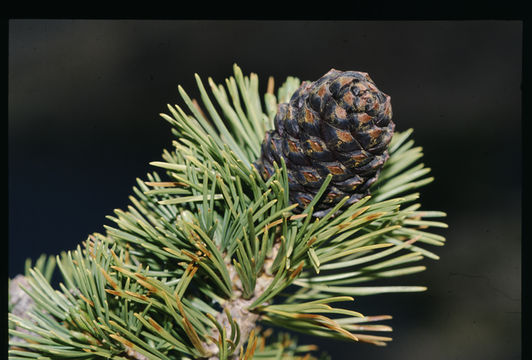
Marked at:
<point>83,123</point>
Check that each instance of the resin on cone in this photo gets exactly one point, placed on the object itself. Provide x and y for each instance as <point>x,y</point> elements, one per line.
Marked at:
<point>340,124</point>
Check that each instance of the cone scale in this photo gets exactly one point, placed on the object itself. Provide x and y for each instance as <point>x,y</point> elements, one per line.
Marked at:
<point>341,125</point>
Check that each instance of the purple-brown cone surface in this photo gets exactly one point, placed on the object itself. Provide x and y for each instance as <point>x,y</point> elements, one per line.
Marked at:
<point>340,124</point>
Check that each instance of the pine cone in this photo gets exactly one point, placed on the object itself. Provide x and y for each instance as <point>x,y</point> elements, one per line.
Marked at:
<point>340,125</point>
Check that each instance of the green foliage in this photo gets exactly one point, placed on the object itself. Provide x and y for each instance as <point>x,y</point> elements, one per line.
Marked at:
<point>169,278</point>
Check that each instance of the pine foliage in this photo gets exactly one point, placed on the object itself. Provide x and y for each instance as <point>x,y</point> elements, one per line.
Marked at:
<point>208,254</point>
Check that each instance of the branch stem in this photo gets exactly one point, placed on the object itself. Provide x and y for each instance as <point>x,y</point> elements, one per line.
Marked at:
<point>238,306</point>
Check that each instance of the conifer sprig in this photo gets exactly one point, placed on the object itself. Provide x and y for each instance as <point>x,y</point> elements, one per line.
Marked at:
<point>209,250</point>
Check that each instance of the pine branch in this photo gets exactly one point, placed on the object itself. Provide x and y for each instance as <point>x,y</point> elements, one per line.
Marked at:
<point>210,250</point>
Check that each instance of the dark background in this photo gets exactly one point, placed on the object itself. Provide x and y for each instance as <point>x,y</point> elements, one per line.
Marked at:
<point>84,99</point>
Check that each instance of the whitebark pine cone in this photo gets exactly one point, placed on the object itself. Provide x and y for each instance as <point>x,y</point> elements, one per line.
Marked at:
<point>340,124</point>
